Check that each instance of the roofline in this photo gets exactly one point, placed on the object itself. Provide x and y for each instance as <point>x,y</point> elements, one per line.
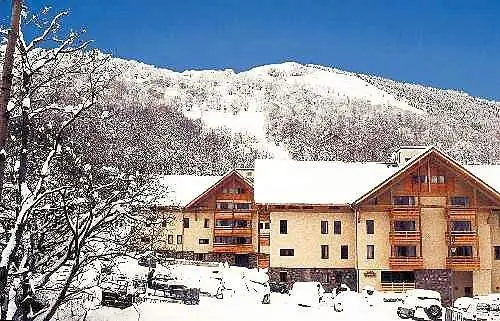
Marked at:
<point>419,158</point>
<point>305,204</point>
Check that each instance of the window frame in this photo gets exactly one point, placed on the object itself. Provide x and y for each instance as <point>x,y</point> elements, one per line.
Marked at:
<point>370,228</point>
<point>324,227</point>
<point>287,252</point>
<point>179,237</point>
<point>496,252</point>
<point>185,222</point>
<point>337,227</point>
<point>170,239</point>
<point>205,241</point>
<point>206,223</point>
<point>344,249</point>
<point>368,251</point>
<point>283,226</point>
<point>324,252</point>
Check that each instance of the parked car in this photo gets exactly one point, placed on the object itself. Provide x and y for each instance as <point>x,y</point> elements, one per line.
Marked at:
<point>483,308</point>
<point>349,301</point>
<point>279,287</point>
<point>308,294</point>
<point>117,293</point>
<point>463,303</point>
<point>417,300</point>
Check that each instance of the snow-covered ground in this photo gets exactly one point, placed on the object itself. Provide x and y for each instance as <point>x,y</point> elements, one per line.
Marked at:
<point>238,303</point>
<point>232,309</point>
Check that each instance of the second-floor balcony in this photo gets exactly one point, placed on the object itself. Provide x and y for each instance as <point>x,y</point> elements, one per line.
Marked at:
<point>463,263</point>
<point>462,237</point>
<point>404,237</point>
<point>406,262</point>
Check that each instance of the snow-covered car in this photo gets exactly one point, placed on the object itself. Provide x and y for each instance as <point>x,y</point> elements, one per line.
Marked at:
<point>309,294</point>
<point>349,301</point>
<point>418,301</point>
<point>257,284</point>
<point>463,303</point>
<point>483,308</point>
<point>117,293</point>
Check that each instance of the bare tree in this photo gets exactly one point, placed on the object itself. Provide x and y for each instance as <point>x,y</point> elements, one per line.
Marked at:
<point>8,63</point>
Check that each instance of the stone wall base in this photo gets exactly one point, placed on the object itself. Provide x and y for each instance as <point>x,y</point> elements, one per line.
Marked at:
<point>439,280</point>
<point>329,278</point>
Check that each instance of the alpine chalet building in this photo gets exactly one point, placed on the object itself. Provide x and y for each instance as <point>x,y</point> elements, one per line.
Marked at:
<point>420,221</point>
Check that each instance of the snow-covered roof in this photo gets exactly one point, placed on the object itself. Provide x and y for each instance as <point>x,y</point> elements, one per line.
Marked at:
<point>180,190</point>
<point>490,174</point>
<point>316,182</point>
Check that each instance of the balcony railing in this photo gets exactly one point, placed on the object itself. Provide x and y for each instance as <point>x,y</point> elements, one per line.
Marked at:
<point>461,237</point>
<point>397,287</point>
<point>406,262</point>
<point>233,248</point>
<point>232,231</point>
<point>461,211</point>
<point>463,263</point>
<point>405,236</point>
<point>399,211</point>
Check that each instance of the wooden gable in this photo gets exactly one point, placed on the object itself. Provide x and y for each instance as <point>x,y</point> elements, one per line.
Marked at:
<point>433,174</point>
<point>232,187</point>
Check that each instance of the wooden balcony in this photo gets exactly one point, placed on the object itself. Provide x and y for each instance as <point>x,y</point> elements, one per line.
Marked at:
<point>406,262</point>
<point>263,261</point>
<point>264,241</point>
<point>462,238</point>
<point>233,248</point>
<point>236,215</point>
<point>229,231</point>
<point>461,212</point>
<point>402,212</point>
<point>405,237</point>
<point>463,263</point>
<point>397,287</point>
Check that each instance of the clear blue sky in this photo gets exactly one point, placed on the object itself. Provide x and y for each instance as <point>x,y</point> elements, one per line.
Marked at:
<point>447,44</point>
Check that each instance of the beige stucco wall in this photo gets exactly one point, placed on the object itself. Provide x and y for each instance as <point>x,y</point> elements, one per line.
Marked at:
<point>304,236</point>
<point>197,231</point>
<point>380,239</point>
<point>481,282</point>
<point>434,247</point>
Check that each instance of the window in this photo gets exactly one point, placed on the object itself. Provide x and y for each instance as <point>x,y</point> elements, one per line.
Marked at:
<point>404,200</point>
<point>461,226</point>
<point>337,227</point>
<point>419,179</point>
<point>370,227</point>
<point>461,251</point>
<point>370,252</point>
<point>241,224</point>
<point>497,252</point>
<point>462,201</point>
<point>283,226</point>
<point>324,227</point>
<point>438,179</point>
<point>325,277</point>
<point>324,251</point>
<point>397,276</point>
<point>232,240</point>
<point>283,276</point>
<point>405,251</point>
<point>261,226</point>
<point>224,223</point>
<point>344,252</point>
<point>179,239</point>
<point>224,206</point>
<point>145,239</point>
<point>266,225</point>
<point>286,252</point>
<point>206,223</point>
<point>242,206</point>
<point>404,226</point>
<point>170,239</point>
<point>203,241</point>
<point>185,222</point>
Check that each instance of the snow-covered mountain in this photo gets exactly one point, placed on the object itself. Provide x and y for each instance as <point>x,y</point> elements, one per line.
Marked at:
<point>291,110</point>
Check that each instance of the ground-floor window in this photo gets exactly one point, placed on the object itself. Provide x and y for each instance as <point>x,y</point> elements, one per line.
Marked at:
<point>497,252</point>
<point>200,256</point>
<point>283,276</point>
<point>397,277</point>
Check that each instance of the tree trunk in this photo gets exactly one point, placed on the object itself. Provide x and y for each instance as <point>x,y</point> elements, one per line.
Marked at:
<point>8,64</point>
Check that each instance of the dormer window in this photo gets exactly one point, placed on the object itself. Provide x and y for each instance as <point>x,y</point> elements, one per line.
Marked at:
<point>462,201</point>
<point>404,200</point>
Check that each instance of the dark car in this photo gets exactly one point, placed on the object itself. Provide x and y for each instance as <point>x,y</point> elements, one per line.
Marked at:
<point>116,294</point>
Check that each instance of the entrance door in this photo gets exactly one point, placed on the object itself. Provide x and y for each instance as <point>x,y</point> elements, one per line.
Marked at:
<point>241,260</point>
